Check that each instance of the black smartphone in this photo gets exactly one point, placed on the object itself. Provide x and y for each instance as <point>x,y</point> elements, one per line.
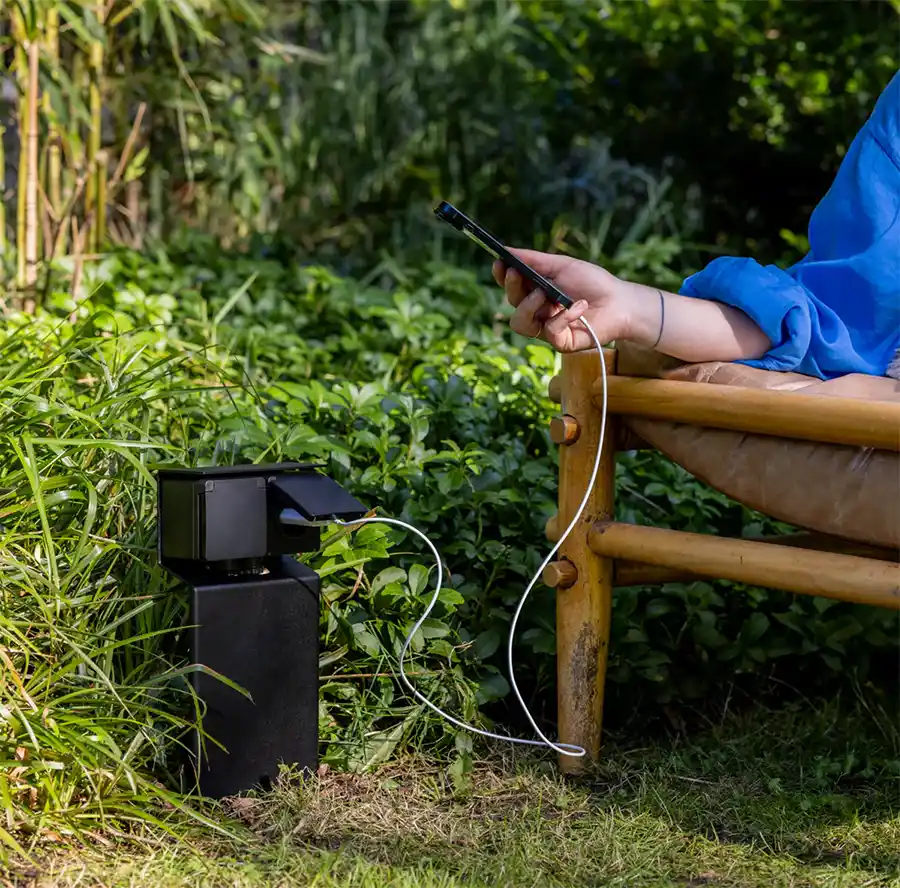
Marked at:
<point>448,213</point>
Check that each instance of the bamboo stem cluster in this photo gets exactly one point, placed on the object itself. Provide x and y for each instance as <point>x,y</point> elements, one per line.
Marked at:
<point>60,63</point>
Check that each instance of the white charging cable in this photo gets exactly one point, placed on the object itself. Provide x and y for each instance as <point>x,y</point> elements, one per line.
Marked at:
<point>562,748</point>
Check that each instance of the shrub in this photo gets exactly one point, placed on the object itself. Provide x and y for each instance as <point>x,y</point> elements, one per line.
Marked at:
<point>426,405</point>
<point>550,121</point>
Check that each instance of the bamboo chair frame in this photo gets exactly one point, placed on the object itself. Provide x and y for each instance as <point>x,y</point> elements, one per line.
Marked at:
<point>601,554</point>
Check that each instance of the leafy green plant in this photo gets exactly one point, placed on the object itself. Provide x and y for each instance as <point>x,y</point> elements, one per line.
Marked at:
<point>416,397</point>
<point>329,128</point>
<point>444,424</point>
<point>724,95</point>
<point>586,126</point>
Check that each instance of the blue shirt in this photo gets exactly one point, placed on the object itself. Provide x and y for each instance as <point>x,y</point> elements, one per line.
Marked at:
<point>836,311</point>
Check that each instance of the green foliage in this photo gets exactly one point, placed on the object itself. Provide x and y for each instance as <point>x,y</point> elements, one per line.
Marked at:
<point>331,127</point>
<point>581,125</point>
<point>449,432</point>
<point>726,94</point>
<point>338,139</point>
<point>327,130</point>
<point>412,391</point>
<point>88,704</point>
<point>94,684</point>
<point>422,402</point>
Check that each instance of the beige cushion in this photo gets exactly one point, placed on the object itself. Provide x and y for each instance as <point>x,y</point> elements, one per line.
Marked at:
<point>848,492</point>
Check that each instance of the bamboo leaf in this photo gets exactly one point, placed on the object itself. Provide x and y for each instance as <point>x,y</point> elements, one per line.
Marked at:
<point>86,27</point>
<point>233,299</point>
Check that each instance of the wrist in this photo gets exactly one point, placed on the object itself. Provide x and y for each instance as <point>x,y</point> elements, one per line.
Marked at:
<point>641,313</point>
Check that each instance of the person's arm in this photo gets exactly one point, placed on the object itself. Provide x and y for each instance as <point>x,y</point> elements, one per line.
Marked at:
<point>692,330</point>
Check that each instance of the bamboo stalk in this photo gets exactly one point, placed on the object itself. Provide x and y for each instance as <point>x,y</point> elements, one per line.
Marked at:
<point>100,227</point>
<point>843,577</point>
<point>66,214</point>
<point>133,213</point>
<point>782,414</point>
<point>78,238</point>
<point>130,143</point>
<point>77,173</point>
<point>47,221</point>
<point>96,182</point>
<point>31,181</point>
<point>54,163</point>
<point>3,244</point>
<point>21,63</point>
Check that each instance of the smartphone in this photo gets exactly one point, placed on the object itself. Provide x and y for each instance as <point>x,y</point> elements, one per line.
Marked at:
<point>448,213</point>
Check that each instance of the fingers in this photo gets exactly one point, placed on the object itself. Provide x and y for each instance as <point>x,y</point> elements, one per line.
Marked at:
<point>516,287</point>
<point>560,322</point>
<point>547,264</point>
<point>525,320</point>
<point>532,314</point>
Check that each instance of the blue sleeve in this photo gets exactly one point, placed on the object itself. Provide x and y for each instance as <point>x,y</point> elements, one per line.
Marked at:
<point>836,311</point>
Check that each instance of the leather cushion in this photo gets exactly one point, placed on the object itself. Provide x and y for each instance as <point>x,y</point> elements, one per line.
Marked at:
<point>848,492</point>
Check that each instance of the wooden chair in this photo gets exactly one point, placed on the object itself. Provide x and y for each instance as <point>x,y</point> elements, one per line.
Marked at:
<point>822,456</point>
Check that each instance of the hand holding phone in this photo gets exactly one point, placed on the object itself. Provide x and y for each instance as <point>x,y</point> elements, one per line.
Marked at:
<point>551,292</point>
<point>446,212</point>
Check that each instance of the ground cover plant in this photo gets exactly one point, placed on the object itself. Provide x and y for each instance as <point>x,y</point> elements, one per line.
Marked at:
<point>442,425</point>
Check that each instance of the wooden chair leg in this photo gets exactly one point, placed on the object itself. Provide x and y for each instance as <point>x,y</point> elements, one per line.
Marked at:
<point>584,585</point>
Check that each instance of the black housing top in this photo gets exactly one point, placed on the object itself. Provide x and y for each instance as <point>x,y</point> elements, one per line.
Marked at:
<point>230,517</point>
<point>244,471</point>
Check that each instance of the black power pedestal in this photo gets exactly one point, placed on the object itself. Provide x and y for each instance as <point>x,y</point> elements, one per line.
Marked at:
<point>229,534</point>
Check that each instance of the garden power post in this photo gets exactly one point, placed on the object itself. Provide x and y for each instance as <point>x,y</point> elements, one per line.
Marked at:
<point>583,580</point>
<point>229,534</point>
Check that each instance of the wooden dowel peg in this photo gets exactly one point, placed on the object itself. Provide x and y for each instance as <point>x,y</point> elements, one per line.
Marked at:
<point>554,389</point>
<point>564,429</point>
<point>560,574</point>
<point>551,528</point>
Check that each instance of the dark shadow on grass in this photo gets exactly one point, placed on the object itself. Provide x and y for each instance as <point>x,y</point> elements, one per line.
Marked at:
<point>817,782</point>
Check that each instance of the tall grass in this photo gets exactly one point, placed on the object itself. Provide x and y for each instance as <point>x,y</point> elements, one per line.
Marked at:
<point>93,691</point>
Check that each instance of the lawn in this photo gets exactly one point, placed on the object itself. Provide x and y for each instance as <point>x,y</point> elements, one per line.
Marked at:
<point>799,796</point>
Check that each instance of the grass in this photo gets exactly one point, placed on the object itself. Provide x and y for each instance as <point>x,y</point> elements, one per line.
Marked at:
<point>802,796</point>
